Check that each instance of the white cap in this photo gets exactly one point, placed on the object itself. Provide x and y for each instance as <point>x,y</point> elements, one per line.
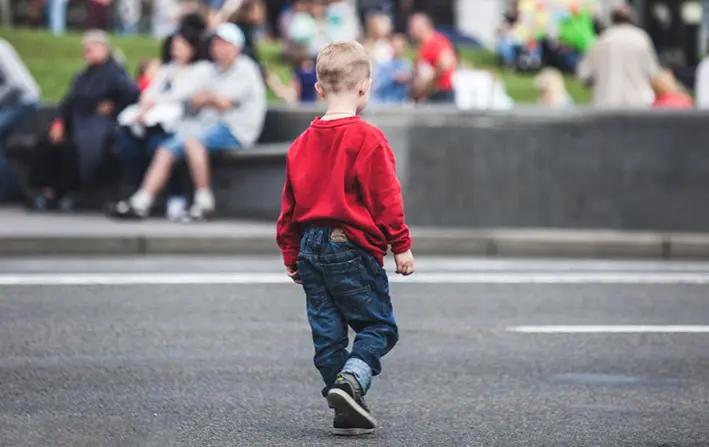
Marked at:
<point>230,33</point>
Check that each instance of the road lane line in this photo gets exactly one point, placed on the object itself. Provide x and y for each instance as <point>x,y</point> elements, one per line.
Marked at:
<point>176,278</point>
<point>611,329</point>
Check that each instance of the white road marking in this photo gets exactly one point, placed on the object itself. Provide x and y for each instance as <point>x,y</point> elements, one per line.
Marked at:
<point>610,329</point>
<point>72,279</point>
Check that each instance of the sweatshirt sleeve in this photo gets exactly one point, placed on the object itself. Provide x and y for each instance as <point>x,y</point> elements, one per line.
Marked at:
<point>287,231</point>
<point>381,192</point>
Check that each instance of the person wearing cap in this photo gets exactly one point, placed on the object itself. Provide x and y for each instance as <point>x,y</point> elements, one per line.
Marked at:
<point>226,113</point>
<point>70,158</point>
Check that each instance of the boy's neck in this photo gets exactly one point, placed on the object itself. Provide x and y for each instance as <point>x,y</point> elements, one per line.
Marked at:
<point>340,107</point>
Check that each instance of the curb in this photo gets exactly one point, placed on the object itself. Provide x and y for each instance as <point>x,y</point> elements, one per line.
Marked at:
<point>503,243</point>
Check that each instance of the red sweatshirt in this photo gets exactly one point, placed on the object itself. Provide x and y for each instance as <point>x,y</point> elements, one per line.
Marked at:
<point>341,174</point>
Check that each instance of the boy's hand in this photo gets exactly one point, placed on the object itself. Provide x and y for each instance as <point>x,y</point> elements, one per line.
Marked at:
<point>293,274</point>
<point>404,263</point>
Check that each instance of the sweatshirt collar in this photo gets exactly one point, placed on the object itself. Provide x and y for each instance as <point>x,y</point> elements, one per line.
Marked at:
<point>319,122</point>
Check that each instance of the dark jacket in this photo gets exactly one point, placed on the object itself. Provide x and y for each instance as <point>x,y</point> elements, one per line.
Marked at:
<point>91,132</point>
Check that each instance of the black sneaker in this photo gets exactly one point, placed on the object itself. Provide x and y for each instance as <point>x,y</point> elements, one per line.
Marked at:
<point>124,210</point>
<point>346,397</point>
<point>342,425</point>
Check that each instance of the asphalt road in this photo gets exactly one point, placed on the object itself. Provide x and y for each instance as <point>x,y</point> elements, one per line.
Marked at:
<point>163,363</point>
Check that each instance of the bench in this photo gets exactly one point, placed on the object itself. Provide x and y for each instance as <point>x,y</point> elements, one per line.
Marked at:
<point>247,183</point>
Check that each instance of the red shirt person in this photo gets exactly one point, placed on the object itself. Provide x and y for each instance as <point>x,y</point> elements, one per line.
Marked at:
<point>435,62</point>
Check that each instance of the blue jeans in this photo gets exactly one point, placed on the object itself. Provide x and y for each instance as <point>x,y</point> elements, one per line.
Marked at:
<point>136,153</point>
<point>346,286</point>
<point>11,117</point>
<point>215,138</point>
<point>508,49</point>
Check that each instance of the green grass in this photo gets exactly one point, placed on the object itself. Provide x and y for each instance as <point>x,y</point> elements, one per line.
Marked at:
<point>54,60</point>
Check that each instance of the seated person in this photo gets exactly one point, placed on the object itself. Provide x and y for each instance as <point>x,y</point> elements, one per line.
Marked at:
<point>508,46</point>
<point>19,99</point>
<point>83,134</point>
<point>229,110</point>
<point>551,89</point>
<point>297,28</point>
<point>157,116</point>
<point>146,73</point>
<point>392,78</point>
<point>306,29</point>
<point>301,89</point>
<point>343,23</point>
<point>576,36</point>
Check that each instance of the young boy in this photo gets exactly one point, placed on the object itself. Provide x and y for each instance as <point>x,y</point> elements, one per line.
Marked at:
<point>342,209</point>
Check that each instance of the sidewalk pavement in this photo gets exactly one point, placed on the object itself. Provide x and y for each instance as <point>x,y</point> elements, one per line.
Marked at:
<point>23,233</point>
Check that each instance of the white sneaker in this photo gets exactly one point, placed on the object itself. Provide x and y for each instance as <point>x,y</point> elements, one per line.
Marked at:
<point>201,214</point>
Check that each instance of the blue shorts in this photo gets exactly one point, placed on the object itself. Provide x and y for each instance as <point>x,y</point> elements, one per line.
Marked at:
<point>216,138</point>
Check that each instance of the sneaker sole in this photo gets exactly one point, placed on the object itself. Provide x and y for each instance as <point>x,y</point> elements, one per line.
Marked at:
<point>344,403</point>
<point>207,216</point>
<point>352,431</point>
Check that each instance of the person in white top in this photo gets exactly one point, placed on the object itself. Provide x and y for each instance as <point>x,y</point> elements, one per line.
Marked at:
<point>158,114</point>
<point>228,112</point>
<point>620,66</point>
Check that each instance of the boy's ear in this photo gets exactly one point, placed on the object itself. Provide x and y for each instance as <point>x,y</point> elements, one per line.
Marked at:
<point>366,85</point>
<point>318,88</point>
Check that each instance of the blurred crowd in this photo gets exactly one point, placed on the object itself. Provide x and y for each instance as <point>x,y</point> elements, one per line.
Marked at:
<point>615,59</point>
<point>206,91</point>
<point>204,94</point>
<point>555,33</point>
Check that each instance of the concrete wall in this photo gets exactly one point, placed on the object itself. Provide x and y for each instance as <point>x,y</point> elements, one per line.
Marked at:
<point>525,168</point>
<point>643,170</point>
<point>531,168</point>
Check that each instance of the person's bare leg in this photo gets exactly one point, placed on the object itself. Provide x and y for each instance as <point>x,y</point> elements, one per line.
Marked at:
<point>155,179</point>
<point>158,172</point>
<point>198,162</point>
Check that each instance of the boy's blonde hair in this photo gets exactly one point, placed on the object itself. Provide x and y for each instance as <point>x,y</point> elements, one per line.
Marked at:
<point>342,66</point>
